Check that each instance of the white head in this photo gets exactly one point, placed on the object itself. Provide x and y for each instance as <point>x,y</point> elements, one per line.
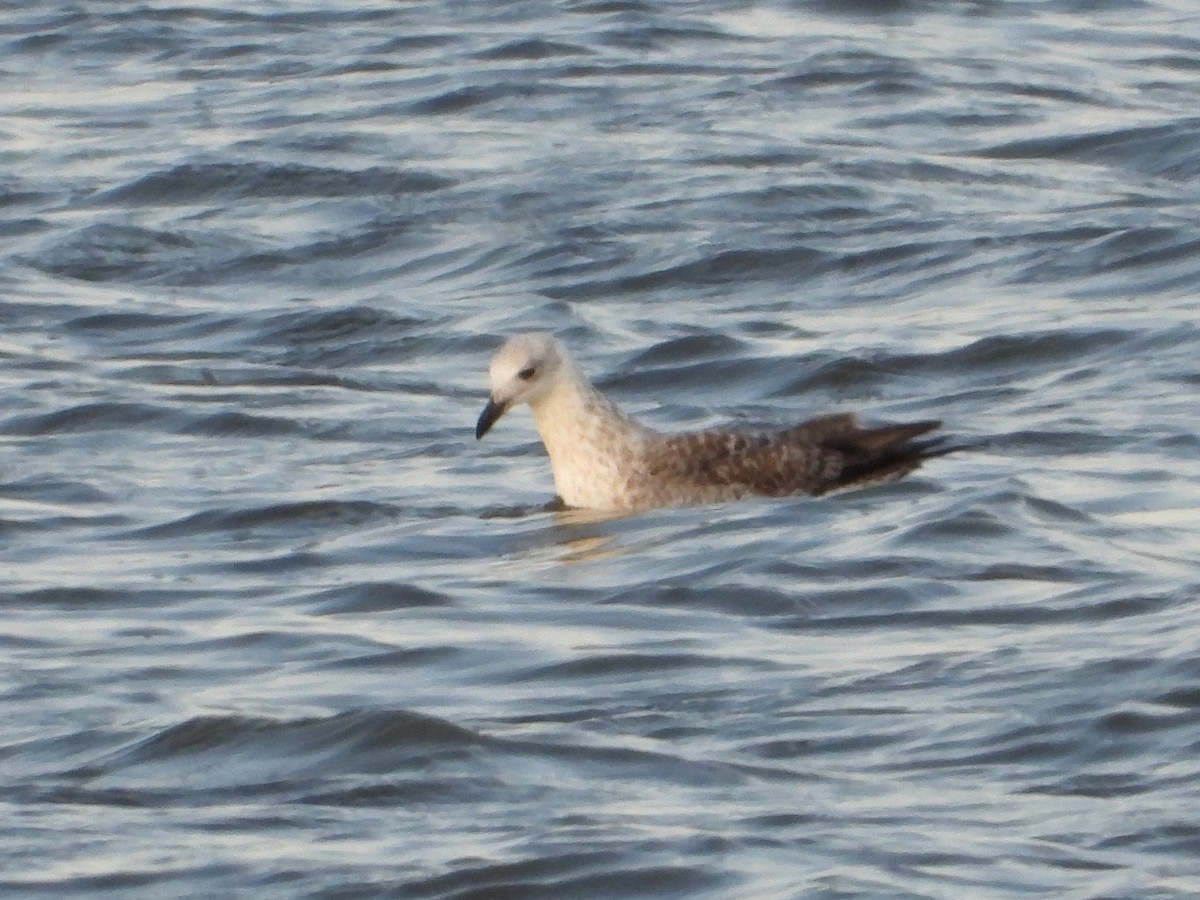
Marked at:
<point>524,370</point>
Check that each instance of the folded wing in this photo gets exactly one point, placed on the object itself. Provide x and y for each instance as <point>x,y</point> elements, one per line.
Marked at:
<point>815,457</point>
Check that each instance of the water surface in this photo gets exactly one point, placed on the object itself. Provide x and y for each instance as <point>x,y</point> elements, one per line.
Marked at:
<point>276,626</point>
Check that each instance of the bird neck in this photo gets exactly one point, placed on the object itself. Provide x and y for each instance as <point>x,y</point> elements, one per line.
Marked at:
<point>584,433</point>
<point>571,406</point>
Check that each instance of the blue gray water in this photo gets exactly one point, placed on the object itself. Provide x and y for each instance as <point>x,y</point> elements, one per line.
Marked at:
<point>275,625</point>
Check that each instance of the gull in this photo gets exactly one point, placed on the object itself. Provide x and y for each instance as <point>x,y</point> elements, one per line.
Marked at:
<point>604,459</point>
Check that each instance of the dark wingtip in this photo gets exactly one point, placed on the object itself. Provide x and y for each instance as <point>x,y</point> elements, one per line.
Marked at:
<point>885,454</point>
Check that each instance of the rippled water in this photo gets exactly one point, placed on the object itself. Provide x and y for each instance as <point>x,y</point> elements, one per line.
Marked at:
<point>276,626</point>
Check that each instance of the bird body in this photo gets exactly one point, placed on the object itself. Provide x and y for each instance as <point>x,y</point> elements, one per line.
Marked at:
<point>602,458</point>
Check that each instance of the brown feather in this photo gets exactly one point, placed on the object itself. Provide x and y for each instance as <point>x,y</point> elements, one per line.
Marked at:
<point>815,457</point>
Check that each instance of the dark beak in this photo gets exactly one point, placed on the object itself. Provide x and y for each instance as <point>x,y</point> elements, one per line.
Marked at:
<point>488,417</point>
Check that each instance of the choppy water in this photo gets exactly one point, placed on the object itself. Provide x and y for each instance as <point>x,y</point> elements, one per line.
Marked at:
<point>275,626</point>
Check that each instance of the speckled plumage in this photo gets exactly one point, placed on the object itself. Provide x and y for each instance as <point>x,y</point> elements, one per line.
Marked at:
<point>602,458</point>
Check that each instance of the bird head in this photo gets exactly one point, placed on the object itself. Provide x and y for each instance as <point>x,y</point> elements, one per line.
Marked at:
<point>522,371</point>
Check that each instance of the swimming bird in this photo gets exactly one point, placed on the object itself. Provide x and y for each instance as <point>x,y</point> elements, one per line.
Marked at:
<point>602,458</point>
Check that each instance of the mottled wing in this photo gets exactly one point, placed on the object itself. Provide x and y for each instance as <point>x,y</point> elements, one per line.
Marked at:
<point>817,456</point>
<point>770,465</point>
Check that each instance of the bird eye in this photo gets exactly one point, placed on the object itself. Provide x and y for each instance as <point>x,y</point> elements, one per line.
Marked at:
<point>527,373</point>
